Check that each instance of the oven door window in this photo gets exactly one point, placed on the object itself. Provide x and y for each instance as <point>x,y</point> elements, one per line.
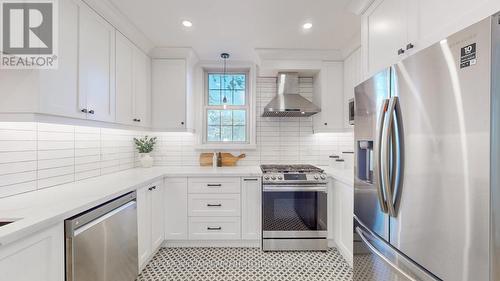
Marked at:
<point>295,211</point>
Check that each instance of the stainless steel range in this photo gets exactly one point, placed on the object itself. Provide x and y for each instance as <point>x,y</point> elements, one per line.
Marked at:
<point>294,208</point>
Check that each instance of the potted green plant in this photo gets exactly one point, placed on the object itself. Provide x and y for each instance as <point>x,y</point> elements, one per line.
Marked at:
<point>145,146</point>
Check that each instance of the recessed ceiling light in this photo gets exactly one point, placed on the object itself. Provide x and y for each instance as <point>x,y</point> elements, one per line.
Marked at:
<point>187,23</point>
<point>307,25</point>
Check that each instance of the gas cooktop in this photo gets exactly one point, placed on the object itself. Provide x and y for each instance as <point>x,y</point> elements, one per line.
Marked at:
<point>292,174</point>
<point>290,169</point>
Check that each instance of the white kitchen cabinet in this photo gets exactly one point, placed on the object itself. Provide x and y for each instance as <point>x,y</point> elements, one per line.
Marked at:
<point>171,104</point>
<point>251,208</point>
<point>176,209</point>
<point>340,217</point>
<point>37,257</point>
<point>96,68</point>
<point>133,80</point>
<point>150,219</point>
<point>385,33</point>
<point>52,91</point>
<point>352,77</point>
<point>329,95</point>
<point>214,228</point>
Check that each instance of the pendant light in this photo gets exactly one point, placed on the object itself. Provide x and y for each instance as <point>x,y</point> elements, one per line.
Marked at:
<point>224,56</point>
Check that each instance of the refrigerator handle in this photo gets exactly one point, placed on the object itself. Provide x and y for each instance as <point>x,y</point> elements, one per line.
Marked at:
<point>380,163</point>
<point>389,151</point>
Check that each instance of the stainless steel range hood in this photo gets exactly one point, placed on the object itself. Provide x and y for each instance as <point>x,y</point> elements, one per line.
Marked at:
<point>288,102</point>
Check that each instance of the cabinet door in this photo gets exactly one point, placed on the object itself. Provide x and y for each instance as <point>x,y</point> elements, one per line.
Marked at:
<point>97,65</point>
<point>169,94</point>
<point>37,257</point>
<point>157,216</point>
<point>352,77</point>
<point>124,80</point>
<point>144,225</point>
<point>142,88</point>
<point>251,208</point>
<point>176,209</point>
<point>59,87</point>
<point>346,218</point>
<point>384,31</point>
<point>331,99</point>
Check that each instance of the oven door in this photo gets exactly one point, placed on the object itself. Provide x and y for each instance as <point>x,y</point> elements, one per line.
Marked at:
<point>294,211</point>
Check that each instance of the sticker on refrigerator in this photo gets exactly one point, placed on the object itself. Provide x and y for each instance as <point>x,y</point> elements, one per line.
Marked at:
<point>468,55</point>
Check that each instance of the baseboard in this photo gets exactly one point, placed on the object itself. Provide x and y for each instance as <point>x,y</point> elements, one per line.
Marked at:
<point>346,253</point>
<point>213,243</point>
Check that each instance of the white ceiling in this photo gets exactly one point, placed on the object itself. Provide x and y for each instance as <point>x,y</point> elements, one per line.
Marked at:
<point>240,26</point>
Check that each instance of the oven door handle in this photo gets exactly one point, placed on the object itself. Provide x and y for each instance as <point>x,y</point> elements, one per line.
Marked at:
<point>280,188</point>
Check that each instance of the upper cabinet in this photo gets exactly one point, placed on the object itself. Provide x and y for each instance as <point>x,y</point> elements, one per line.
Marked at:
<point>133,84</point>
<point>352,77</point>
<point>171,102</point>
<point>96,66</point>
<point>386,34</point>
<point>391,30</point>
<point>329,95</point>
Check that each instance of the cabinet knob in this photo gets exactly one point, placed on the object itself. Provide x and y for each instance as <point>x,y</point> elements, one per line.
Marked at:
<point>409,46</point>
<point>182,123</point>
<point>84,110</point>
<point>326,124</point>
<point>138,120</point>
<point>91,111</point>
<point>401,51</point>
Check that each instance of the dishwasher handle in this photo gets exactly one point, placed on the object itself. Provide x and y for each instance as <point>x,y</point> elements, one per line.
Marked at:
<point>85,227</point>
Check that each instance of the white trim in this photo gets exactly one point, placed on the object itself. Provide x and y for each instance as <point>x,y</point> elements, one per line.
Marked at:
<point>212,243</point>
<point>199,96</point>
<point>348,255</point>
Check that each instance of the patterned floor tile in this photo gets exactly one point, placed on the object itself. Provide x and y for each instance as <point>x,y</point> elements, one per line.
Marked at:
<point>245,264</point>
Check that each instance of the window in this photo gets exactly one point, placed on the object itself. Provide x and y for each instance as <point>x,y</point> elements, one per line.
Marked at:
<point>226,123</point>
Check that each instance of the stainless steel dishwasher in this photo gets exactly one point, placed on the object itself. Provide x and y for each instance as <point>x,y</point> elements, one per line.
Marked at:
<point>101,244</point>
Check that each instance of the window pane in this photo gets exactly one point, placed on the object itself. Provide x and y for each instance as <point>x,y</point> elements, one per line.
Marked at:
<point>213,133</point>
<point>234,82</point>
<point>214,97</point>
<point>227,133</point>
<point>239,97</point>
<point>226,117</point>
<point>214,81</point>
<point>239,133</point>
<point>239,117</point>
<point>213,117</point>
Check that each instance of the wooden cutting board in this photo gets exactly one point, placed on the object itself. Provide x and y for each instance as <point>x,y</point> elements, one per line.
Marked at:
<point>227,159</point>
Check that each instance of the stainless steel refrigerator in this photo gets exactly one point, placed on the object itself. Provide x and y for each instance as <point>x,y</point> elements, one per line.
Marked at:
<point>427,131</point>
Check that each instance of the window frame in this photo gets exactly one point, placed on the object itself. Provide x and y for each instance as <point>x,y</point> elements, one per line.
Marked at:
<point>247,107</point>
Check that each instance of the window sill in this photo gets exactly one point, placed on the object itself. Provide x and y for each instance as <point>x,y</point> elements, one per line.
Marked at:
<point>223,146</point>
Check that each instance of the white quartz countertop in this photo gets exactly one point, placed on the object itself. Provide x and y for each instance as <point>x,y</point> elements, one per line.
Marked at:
<point>343,175</point>
<point>35,211</point>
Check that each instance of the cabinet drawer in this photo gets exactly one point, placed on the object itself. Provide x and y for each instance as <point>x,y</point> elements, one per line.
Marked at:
<point>214,185</point>
<point>214,228</point>
<point>218,205</point>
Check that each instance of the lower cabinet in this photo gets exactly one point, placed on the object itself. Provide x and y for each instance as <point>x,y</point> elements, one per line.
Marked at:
<point>37,257</point>
<point>340,221</point>
<point>176,209</point>
<point>213,208</point>
<point>150,219</point>
<point>251,208</point>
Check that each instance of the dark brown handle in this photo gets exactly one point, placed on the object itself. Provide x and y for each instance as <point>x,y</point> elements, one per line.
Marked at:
<point>84,110</point>
<point>409,46</point>
<point>214,228</point>
<point>182,123</point>
<point>91,111</point>
<point>214,185</point>
<point>214,205</point>
<point>250,179</point>
<point>401,51</point>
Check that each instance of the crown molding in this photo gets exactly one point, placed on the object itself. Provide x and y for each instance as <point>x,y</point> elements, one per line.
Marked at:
<point>358,7</point>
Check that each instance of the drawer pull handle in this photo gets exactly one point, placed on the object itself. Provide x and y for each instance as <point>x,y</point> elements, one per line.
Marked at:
<point>214,185</point>
<point>214,205</point>
<point>214,228</point>
<point>250,179</point>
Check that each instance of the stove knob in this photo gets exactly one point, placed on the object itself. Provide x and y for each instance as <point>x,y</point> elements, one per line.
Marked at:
<point>280,177</point>
<point>316,177</point>
<point>273,177</point>
<point>266,177</point>
<point>323,176</point>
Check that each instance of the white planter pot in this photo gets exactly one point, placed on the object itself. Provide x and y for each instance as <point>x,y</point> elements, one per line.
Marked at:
<point>146,160</point>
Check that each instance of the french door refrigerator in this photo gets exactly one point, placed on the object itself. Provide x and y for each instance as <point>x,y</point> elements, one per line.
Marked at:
<point>426,192</point>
